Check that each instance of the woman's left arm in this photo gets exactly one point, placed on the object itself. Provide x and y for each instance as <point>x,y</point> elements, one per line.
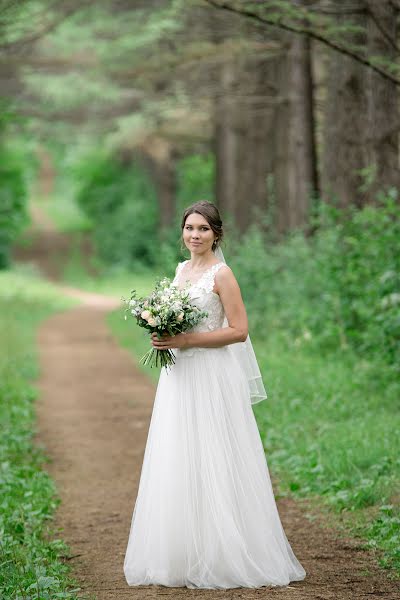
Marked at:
<point>229,292</point>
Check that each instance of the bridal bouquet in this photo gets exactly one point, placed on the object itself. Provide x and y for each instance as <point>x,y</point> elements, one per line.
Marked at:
<point>166,310</point>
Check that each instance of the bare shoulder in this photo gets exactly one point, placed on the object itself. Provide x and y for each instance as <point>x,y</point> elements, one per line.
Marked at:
<point>225,278</point>
<point>224,272</point>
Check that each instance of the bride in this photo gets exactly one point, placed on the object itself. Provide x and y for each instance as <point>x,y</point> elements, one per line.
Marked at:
<point>205,514</point>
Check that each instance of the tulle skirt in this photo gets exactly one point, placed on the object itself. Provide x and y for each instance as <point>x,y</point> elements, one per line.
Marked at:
<point>205,514</point>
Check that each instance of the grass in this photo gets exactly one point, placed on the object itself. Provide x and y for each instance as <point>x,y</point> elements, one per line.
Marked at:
<point>111,282</point>
<point>330,429</point>
<point>31,563</point>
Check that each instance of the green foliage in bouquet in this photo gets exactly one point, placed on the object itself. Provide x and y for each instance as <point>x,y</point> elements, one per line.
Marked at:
<point>167,309</point>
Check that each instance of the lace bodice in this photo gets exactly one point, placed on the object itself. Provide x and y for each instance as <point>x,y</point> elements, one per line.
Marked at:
<point>202,295</point>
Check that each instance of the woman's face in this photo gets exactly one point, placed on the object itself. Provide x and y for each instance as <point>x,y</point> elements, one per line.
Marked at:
<point>197,234</point>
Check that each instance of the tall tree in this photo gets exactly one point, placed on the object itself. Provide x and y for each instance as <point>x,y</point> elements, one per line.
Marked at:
<point>362,113</point>
<point>244,137</point>
<point>383,97</point>
<point>159,153</point>
<point>245,98</point>
<point>345,152</point>
<point>296,166</point>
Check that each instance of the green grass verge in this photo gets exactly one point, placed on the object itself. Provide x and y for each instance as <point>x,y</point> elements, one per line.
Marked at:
<point>330,430</point>
<point>111,282</point>
<point>31,562</point>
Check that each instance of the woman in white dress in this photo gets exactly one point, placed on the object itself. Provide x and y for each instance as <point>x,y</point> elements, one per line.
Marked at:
<point>205,514</point>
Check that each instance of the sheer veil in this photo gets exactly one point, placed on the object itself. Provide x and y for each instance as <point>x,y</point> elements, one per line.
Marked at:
<point>246,357</point>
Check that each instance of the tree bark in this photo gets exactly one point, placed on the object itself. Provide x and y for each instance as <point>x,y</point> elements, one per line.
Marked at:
<point>159,155</point>
<point>383,105</point>
<point>295,170</point>
<point>226,142</point>
<point>345,153</point>
<point>243,138</point>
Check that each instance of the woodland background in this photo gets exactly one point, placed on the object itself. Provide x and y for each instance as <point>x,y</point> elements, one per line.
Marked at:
<point>118,114</point>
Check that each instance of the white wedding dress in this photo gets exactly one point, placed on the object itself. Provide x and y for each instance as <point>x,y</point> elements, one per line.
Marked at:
<point>205,514</point>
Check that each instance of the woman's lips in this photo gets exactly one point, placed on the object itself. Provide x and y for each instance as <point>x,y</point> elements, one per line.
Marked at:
<point>196,243</point>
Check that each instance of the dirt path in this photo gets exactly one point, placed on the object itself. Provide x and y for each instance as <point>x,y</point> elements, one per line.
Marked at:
<point>50,250</point>
<point>93,416</point>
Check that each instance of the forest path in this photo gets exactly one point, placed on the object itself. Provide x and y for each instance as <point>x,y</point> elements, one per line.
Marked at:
<point>93,416</point>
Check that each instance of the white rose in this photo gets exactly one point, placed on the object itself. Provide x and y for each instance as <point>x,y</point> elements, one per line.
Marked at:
<point>151,321</point>
<point>145,315</point>
<point>180,316</point>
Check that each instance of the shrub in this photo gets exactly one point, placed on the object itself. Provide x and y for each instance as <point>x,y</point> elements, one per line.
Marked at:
<point>13,215</point>
<point>121,202</point>
<point>338,289</point>
<point>195,180</point>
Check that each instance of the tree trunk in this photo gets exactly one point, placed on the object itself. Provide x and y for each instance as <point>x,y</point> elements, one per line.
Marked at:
<point>159,155</point>
<point>345,153</point>
<point>243,142</point>
<point>254,128</point>
<point>296,179</point>
<point>383,105</point>
<point>226,142</point>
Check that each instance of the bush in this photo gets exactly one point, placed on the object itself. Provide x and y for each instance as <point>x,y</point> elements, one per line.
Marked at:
<point>121,202</point>
<point>338,289</point>
<point>195,180</point>
<point>13,215</point>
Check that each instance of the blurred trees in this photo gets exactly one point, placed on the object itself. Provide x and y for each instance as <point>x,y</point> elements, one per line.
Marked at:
<point>383,107</point>
<point>335,110</point>
<point>296,100</point>
<point>362,116</point>
<point>12,176</point>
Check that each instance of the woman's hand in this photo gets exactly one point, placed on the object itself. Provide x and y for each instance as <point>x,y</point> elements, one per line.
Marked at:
<point>168,341</point>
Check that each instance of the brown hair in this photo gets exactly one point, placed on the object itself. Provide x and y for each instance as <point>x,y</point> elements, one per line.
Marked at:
<point>210,212</point>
